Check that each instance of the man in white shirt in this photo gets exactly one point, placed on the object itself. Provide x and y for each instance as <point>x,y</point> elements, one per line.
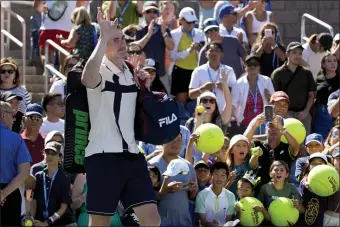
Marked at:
<point>116,170</point>
<point>206,77</point>
<point>54,107</point>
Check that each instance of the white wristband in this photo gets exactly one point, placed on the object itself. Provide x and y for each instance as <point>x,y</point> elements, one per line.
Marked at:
<point>56,215</point>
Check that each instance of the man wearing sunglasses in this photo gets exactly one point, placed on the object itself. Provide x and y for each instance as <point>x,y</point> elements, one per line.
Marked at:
<point>33,139</point>
<point>14,100</point>
<point>236,52</point>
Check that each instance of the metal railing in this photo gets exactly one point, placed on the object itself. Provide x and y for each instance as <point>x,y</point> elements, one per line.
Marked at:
<point>49,67</point>
<point>6,32</point>
<point>305,16</point>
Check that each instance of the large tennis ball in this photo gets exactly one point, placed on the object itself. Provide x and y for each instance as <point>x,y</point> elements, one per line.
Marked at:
<point>248,216</point>
<point>211,138</point>
<point>296,129</point>
<point>323,180</point>
<point>283,212</point>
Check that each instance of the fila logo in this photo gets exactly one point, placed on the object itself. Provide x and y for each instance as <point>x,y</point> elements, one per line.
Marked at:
<point>167,120</point>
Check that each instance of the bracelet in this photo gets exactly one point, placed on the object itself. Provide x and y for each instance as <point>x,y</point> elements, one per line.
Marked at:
<point>56,215</point>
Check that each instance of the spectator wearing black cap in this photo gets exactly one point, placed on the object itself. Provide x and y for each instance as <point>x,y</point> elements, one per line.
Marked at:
<point>127,11</point>
<point>155,36</point>
<point>33,139</point>
<point>151,66</point>
<point>230,44</point>
<point>52,195</point>
<point>312,60</point>
<point>14,168</point>
<point>298,83</point>
<point>14,100</point>
<point>251,92</point>
<point>188,42</point>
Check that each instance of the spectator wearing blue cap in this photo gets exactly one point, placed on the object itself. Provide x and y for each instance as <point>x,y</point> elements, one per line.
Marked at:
<point>228,17</point>
<point>256,19</point>
<point>33,139</point>
<point>230,44</point>
<point>14,168</point>
<point>314,144</point>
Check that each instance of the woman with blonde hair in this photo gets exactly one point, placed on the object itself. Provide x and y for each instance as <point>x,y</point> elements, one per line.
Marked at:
<point>83,37</point>
<point>269,48</point>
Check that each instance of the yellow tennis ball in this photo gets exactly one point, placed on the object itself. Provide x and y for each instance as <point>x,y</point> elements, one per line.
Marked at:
<point>211,138</point>
<point>248,217</point>
<point>28,223</point>
<point>283,212</point>
<point>296,129</point>
<point>141,150</point>
<point>323,180</point>
<point>200,109</point>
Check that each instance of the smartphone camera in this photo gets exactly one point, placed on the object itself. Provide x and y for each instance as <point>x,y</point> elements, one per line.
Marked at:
<point>268,112</point>
<point>268,33</point>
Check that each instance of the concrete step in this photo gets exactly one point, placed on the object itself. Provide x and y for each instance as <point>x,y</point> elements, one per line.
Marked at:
<point>36,97</point>
<point>35,79</point>
<point>30,70</point>
<point>35,88</point>
<point>17,54</point>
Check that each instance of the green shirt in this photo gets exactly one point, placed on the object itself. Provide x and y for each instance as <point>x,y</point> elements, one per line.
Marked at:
<point>130,16</point>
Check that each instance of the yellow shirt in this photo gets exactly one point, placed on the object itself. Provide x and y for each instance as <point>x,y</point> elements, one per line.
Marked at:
<point>190,62</point>
<point>130,16</point>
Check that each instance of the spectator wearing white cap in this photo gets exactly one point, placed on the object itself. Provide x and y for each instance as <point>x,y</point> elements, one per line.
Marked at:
<point>230,44</point>
<point>155,38</point>
<point>188,41</point>
<point>33,139</point>
<point>179,185</point>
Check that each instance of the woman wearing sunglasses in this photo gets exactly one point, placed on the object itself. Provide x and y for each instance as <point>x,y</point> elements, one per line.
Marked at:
<point>10,81</point>
<point>251,92</point>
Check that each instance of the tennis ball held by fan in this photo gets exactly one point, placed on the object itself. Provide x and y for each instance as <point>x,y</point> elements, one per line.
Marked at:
<point>296,129</point>
<point>323,180</point>
<point>283,212</point>
<point>248,216</point>
<point>200,109</point>
<point>211,138</point>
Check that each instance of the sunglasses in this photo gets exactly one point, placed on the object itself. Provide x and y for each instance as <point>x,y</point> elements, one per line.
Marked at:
<point>61,104</point>
<point>9,71</point>
<point>52,153</point>
<point>132,52</point>
<point>152,11</point>
<point>192,22</point>
<point>205,101</point>
<point>211,31</point>
<point>34,118</point>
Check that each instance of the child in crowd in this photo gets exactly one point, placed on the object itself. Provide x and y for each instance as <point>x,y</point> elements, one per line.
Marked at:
<point>246,188</point>
<point>155,175</point>
<point>239,160</point>
<point>278,187</point>
<point>215,204</point>
<point>315,205</point>
<point>219,156</point>
<point>203,175</point>
<point>332,214</point>
<point>314,144</point>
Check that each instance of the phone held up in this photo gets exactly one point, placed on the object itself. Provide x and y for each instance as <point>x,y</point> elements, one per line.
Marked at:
<point>268,33</point>
<point>268,112</point>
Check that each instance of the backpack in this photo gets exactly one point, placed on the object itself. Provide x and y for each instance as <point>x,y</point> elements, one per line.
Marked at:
<point>77,121</point>
<point>57,10</point>
<point>157,119</point>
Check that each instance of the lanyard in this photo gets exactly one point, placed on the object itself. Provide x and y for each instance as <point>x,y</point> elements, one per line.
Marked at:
<point>122,11</point>
<point>254,97</point>
<point>210,77</point>
<point>47,197</point>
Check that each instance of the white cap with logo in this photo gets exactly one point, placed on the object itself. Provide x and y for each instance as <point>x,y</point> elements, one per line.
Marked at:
<point>175,167</point>
<point>188,14</point>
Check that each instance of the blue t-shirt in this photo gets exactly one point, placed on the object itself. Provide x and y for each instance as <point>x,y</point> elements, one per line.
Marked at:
<point>13,153</point>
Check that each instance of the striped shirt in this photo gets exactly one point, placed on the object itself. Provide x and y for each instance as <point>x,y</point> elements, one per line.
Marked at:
<point>112,107</point>
<point>23,93</point>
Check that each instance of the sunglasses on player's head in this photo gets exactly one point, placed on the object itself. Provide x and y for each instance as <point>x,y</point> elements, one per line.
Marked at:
<point>205,101</point>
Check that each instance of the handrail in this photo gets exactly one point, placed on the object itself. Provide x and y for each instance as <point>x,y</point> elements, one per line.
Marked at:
<point>305,16</point>
<point>48,66</point>
<point>6,32</point>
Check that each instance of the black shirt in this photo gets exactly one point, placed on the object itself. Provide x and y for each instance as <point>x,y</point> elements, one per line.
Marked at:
<point>60,193</point>
<point>16,127</point>
<point>281,153</point>
<point>267,61</point>
<point>325,87</point>
<point>296,84</point>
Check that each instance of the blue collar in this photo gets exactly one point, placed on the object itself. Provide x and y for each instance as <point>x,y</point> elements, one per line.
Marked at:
<point>2,125</point>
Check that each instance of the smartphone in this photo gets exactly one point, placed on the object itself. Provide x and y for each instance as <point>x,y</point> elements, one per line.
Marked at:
<point>268,33</point>
<point>268,112</point>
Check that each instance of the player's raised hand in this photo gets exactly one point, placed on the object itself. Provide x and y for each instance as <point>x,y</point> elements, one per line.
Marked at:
<point>107,27</point>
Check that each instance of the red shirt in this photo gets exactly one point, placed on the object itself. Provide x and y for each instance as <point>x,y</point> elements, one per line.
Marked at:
<point>35,148</point>
<point>249,110</point>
